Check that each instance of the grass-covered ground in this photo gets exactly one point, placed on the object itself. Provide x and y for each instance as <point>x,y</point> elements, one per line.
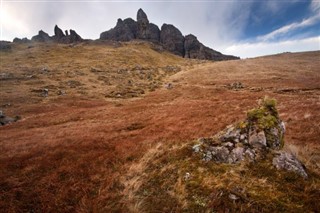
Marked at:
<point>91,150</point>
<point>175,179</point>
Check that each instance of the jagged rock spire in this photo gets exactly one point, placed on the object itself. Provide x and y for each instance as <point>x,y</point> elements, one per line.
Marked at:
<point>142,17</point>
<point>58,33</point>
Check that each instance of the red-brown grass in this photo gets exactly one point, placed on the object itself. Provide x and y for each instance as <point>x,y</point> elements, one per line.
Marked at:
<point>83,152</point>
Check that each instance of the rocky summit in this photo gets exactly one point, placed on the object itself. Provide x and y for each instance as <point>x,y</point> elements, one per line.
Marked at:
<point>169,37</point>
<point>260,136</point>
<point>58,37</point>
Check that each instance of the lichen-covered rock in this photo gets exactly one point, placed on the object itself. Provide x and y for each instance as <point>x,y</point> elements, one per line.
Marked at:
<point>287,161</point>
<point>237,154</point>
<point>257,139</point>
<point>250,155</point>
<point>261,133</point>
<point>231,134</point>
<point>220,154</point>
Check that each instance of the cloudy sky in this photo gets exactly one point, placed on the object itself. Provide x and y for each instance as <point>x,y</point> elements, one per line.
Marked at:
<point>245,28</point>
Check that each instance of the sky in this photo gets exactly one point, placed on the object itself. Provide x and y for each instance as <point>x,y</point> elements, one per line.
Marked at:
<point>245,28</point>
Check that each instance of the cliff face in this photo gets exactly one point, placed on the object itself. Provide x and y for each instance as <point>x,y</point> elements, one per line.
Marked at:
<point>169,37</point>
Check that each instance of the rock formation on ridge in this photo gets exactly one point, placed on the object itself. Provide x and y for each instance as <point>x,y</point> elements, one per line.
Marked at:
<point>23,40</point>
<point>58,33</point>
<point>58,36</point>
<point>169,37</point>
<point>5,45</point>
<point>125,30</point>
<point>67,38</point>
<point>41,37</point>
<point>172,39</point>
<point>194,49</point>
<point>146,30</point>
<point>128,29</point>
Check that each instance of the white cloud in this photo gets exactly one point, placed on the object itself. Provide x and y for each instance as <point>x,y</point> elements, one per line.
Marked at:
<point>289,28</point>
<point>315,5</point>
<point>247,50</point>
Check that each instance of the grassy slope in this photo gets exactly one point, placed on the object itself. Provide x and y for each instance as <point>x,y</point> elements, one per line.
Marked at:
<point>91,70</point>
<point>86,152</point>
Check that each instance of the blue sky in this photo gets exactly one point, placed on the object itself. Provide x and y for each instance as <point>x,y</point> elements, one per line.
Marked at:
<point>246,28</point>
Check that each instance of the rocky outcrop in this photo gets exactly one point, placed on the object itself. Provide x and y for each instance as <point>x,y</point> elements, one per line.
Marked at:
<point>153,33</point>
<point>19,40</point>
<point>67,38</point>
<point>58,33</point>
<point>260,135</point>
<point>288,161</point>
<point>172,39</point>
<point>169,37</point>
<point>146,30</point>
<point>128,29</point>
<point>193,48</point>
<point>58,36</point>
<point>5,45</point>
<point>143,22</point>
<point>4,120</point>
<point>74,37</point>
<point>125,30</point>
<point>196,50</point>
<point>41,37</point>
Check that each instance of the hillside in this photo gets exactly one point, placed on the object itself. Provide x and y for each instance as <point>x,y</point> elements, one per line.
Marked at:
<point>109,127</point>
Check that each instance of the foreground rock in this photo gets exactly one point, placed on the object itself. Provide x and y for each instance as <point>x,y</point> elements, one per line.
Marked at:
<point>260,135</point>
<point>4,120</point>
<point>169,37</point>
<point>288,161</point>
